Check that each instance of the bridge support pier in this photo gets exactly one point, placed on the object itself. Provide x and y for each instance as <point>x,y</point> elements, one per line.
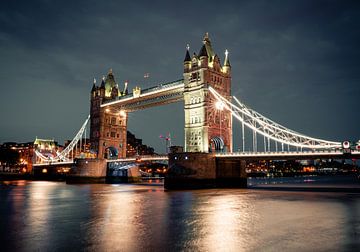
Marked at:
<point>87,171</point>
<point>204,170</point>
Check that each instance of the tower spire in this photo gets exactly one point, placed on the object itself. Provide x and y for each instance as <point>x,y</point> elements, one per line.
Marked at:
<point>206,50</point>
<point>206,38</point>
<point>187,55</point>
<point>226,61</point>
<point>94,86</point>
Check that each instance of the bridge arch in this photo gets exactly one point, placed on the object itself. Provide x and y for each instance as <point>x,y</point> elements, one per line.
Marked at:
<point>216,144</point>
<point>111,153</point>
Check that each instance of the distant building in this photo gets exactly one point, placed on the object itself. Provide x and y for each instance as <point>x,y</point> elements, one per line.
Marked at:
<point>176,149</point>
<point>25,155</point>
<point>48,148</point>
<point>135,146</point>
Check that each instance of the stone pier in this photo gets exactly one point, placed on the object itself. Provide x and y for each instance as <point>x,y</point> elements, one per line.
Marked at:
<point>204,170</point>
<point>88,171</point>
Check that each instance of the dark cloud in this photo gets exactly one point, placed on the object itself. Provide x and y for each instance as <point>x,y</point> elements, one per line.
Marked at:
<point>296,62</point>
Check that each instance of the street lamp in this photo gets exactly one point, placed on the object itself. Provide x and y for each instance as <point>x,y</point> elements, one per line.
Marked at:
<point>219,105</point>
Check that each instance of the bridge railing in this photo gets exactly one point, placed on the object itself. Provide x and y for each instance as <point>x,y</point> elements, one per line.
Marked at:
<point>138,158</point>
<point>285,153</point>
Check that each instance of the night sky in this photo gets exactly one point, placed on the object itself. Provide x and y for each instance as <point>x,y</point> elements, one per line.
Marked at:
<point>296,62</point>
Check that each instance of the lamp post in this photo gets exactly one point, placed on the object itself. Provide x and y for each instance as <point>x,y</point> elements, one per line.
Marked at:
<point>219,105</point>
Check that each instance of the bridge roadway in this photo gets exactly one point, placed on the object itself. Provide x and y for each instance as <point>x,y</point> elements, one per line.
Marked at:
<point>304,155</point>
<point>54,163</point>
<point>139,159</point>
<point>240,156</point>
<point>291,155</point>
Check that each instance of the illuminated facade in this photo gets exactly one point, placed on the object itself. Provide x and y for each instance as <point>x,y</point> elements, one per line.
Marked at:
<point>47,147</point>
<point>208,126</point>
<point>107,126</point>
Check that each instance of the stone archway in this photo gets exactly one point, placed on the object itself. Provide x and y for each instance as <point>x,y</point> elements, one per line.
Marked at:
<point>111,153</point>
<point>217,144</point>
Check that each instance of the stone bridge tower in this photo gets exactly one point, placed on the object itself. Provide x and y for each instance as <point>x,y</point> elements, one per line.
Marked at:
<point>208,126</point>
<point>107,127</point>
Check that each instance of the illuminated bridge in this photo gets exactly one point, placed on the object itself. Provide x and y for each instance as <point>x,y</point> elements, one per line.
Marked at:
<point>211,116</point>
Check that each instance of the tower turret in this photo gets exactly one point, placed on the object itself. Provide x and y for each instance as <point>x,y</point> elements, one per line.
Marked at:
<point>206,54</point>
<point>109,84</point>
<point>227,67</point>
<point>94,86</point>
<point>187,60</point>
<point>102,87</point>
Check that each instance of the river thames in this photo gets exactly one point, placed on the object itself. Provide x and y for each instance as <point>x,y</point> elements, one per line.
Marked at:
<point>54,216</point>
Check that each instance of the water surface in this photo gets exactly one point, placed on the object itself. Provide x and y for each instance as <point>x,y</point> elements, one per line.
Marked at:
<point>54,216</point>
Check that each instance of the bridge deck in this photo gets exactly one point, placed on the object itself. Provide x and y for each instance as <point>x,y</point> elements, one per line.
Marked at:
<point>289,155</point>
<point>138,159</point>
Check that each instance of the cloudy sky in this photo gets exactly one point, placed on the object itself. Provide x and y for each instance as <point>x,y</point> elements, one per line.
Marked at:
<point>297,62</point>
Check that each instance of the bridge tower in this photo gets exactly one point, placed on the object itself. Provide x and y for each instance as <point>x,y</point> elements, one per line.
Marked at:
<point>208,126</point>
<point>108,127</point>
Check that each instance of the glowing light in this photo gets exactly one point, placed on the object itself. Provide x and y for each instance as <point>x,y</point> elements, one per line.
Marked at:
<point>219,105</point>
<point>346,144</point>
<point>44,170</point>
<point>107,110</point>
<point>122,113</point>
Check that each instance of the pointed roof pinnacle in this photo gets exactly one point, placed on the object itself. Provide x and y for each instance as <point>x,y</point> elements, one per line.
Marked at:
<point>94,85</point>
<point>226,61</point>
<point>206,38</point>
<point>103,82</point>
<point>187,55</point>
<point>206,49</point>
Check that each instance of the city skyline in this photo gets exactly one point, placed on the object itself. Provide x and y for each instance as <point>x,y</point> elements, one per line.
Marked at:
<point>296,63</point>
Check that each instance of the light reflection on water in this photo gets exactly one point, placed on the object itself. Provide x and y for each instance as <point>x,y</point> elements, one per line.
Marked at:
<point>53,216</point>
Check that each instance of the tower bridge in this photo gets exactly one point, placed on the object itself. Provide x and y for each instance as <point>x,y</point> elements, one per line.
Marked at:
<point>210,115</point>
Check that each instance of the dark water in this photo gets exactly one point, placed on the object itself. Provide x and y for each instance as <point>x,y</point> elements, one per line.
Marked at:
<point>53,216</point>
